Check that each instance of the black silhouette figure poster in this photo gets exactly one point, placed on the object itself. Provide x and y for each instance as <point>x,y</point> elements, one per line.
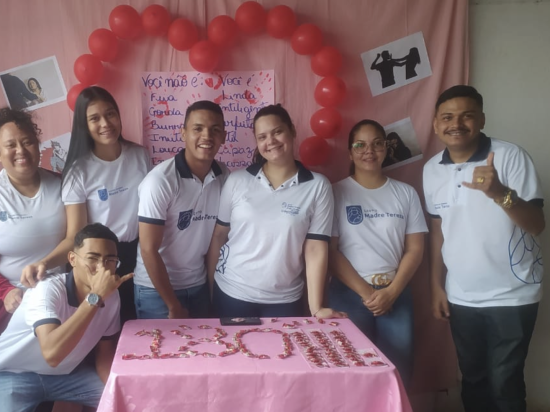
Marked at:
<point>403,147</point>
<point>396,64</point>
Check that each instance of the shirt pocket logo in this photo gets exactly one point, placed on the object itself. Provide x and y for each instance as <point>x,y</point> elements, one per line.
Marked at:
<point>354,214</point>
<point>184,219</point>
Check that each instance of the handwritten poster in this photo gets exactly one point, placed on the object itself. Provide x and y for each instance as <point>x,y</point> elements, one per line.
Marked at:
<point>166,96</point>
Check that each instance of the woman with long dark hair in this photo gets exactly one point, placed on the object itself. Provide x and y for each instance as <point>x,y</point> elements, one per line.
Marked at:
<point>274,221</point>
<point>377,245</point>
<point>101,177</point>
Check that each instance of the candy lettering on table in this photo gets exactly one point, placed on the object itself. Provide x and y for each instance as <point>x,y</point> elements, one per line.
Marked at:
<point>217,338</point>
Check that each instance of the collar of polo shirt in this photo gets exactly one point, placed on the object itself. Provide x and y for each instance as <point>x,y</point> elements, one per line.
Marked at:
<point>304,175</point>
<point>483,149</point>
<point>185,172</point>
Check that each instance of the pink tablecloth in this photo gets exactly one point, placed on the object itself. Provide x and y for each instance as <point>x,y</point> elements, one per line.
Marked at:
<point>238,383</point>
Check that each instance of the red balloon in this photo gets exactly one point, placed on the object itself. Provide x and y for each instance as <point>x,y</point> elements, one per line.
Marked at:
<point>88,69</point>
<point>281,22</point>
<point>204,56</point>
<point>125,22</point>
<point>330,91</point>
<point>327,61</point>
<point>182,34</point>
<point>222,31</point>
<point>251,17</point>
<point>73,94</point>
<point>156,20</point>
<point>326,122</point>
<point>314,151</point>
<point>103,44</point>
<point>307,39</point>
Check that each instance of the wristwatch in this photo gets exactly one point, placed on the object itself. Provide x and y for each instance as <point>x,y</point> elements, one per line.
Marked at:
<point>94,299</point>
<point>510,199</point>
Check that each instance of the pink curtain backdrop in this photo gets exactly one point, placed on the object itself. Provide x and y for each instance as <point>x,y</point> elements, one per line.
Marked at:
<point>33,30</point>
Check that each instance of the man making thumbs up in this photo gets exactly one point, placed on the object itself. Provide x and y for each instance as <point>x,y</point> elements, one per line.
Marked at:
<point>58,323</point>
<point>485,203</point>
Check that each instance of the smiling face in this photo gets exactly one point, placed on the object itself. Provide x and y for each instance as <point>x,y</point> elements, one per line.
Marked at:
<point>368,149</point>
<point>104,123</point>
<point>458,123</point>
<point>19,152</point>
<point>203,134</point>
<point>275,139</point>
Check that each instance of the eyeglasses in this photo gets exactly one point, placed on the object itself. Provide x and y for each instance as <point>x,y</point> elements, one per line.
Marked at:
<point>361,147</point>
<point>93,261</point>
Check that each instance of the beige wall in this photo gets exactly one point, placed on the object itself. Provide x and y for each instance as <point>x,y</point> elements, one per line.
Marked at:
<point>510,66</point>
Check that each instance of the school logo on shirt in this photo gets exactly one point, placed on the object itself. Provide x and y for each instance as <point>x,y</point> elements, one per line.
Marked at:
<point>103,194</point>
<point>184,219</point>
<point>290,209</point>
<point>3,216</point>
<point>355,214</point>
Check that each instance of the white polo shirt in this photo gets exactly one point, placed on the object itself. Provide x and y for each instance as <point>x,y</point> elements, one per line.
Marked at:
<point>110,189</point>
<point>371,224</point>
<point>53,301</point>
<point>263,257</point>
<point>171,196</point>
<point>490,261</point>
<point>30,228</point>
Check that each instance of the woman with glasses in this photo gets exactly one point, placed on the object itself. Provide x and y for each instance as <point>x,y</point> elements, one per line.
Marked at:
<point>101,177</point>
<point>377,245</point>
<point>32,216</point>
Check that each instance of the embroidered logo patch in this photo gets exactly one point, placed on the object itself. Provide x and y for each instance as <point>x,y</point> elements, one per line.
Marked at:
<point>290,209</point>
<point>3,216</point>
<point>355,214</point>
<point>184,219</point>
<point>103,194</point>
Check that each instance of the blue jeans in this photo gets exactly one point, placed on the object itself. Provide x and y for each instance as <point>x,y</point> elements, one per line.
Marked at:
<point>23,392</point>
<point>392,333</point>
<point>229,307</point>
<point>149,304</point>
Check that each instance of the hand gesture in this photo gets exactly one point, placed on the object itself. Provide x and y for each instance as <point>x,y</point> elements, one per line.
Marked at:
<point>33,273</point>
<point>104,282</point>
<point>13,299</point>
<point>440,304</point>
<point>329,313</point>
<point>486,179</point>
<point>381,301</point>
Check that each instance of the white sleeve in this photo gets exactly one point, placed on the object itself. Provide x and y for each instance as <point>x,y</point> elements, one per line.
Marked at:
<point>427,195</point>
<point>73,191</point>
<point>155,198</point>
<point>320,227</point>
<point>114,326</point>
<point>146,159</point>
<point>44,303</point>
<point>520,174</point>
<point>416,223</point>
<point>337,204</point>
<point>226,201</point>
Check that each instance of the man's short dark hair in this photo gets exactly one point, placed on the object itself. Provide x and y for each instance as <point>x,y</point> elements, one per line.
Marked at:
<point>202,105</point>
<point>94,231</point>
<point>460,90</point>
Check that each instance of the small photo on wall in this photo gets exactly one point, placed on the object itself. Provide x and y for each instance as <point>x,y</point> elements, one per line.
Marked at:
<point>397,64</point>
<point>403,147</point>
<point>33,85</point>
<point>53,153</point>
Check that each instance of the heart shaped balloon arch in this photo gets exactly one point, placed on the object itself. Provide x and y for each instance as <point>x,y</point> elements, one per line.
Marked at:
<point>250,19</point>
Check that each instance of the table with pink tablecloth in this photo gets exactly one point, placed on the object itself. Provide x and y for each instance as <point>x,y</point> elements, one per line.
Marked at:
<point>239,383</point>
